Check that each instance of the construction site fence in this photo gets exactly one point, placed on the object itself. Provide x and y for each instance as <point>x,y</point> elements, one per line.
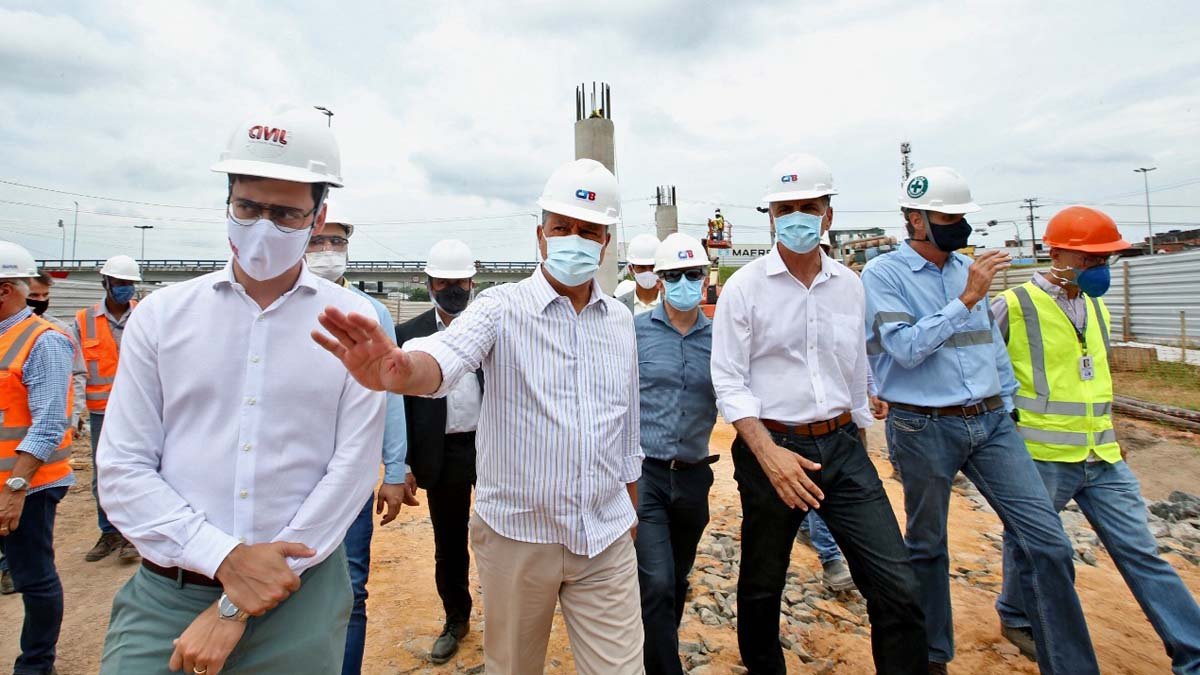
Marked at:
<point>1154,299</point>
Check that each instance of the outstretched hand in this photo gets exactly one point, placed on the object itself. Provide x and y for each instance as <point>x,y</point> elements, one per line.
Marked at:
<point>365,348</point>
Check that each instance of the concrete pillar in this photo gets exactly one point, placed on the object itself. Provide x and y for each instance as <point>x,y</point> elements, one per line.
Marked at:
<point>666,220</point>
<point>594,139</point>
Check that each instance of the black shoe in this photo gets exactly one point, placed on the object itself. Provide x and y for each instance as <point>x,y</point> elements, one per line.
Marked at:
<point>1022,639</point>
<point>6,583</point>
<point>936,668</point>
<point>446,646</point>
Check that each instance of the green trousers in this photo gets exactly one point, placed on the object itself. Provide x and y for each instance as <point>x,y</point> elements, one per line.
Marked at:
<point>305,634</point>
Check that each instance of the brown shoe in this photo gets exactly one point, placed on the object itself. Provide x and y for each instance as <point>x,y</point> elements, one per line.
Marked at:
<point>128,552</point>
<point>936,668</point>
<point>106,544</point>
<point>6,583</point>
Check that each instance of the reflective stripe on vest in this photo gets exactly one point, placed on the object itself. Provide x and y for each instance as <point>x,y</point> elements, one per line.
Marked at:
<point>17,418</point>
<point>1060,430</point>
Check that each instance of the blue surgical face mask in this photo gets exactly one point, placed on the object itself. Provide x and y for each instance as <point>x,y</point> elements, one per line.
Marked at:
<point>1093,281</point>
<point>122,294</point>
<point>799,232</point>
<point>572,260</point>
<point>684,294</point>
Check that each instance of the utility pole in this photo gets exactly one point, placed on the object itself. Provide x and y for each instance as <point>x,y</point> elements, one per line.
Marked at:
<point>143,228</point>
<point>327,113</point>
<point>63,254</point>
<point>1031,204</point>
<point>905,162</point>
<point>1146,182</point>
<point>75,233</point>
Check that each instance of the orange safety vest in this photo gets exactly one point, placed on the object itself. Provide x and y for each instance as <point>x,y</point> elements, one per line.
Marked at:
<point>100,352</point>
<point>16,418</point>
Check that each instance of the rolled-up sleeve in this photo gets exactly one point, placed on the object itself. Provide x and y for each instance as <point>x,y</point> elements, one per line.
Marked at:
<point>731,357</point>
<point>461,348</point>
<point>892,328</point>
<point>148,511</point>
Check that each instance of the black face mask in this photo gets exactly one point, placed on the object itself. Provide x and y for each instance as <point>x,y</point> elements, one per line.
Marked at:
<point>39,307</point>
<point>948,238</point>
<point>452,299</point>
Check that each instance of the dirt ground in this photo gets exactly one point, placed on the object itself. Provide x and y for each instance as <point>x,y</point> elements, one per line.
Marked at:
<point>405,614</point>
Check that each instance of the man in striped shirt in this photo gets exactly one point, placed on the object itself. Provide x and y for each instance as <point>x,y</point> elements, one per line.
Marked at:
<point>558,436</point>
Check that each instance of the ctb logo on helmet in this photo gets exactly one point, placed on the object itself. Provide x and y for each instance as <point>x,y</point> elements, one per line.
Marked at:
<point>586,195</point>
<point>268,134</point>
<point>684,255</point>
<point>789,179</point>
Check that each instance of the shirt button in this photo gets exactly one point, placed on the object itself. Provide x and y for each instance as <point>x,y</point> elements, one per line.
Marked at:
<point>243,494</point>
<point>247,447</point>
<point>241,540</point>
<point>251,401</point>
<point>254,359</point>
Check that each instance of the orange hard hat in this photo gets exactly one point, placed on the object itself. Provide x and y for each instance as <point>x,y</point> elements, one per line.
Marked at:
<point>1082,228</point>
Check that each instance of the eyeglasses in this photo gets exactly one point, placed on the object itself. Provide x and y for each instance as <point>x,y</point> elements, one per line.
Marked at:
<point>336,243</point>
<point>286,219</point>
<point>692,274</point>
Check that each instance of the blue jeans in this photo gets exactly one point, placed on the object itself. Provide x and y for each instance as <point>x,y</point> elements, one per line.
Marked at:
<point>97,423</point>
<point>30,553</point>
<point>358,559</point>
<point>1110,498</point>
<point>672,514</point>
<point>931,449</point>
<point>822,539</point>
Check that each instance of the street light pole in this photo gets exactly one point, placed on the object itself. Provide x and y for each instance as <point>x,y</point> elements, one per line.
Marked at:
<point>1146,182</point>
<point>143,228</point>
<point>327,113</point>
<point>63,254</point>
<point>75,232</point>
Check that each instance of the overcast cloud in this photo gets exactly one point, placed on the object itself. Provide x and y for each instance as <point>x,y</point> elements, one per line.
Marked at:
<point>461,110</point>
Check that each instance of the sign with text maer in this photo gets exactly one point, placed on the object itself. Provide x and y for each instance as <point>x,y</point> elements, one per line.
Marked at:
<point>740,254</point>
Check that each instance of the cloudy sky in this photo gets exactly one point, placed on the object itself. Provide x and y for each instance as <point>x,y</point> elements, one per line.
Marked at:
<point>451,115</point>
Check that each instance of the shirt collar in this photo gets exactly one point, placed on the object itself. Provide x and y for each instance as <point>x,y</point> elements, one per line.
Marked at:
<point>545,294</point>
<point>659,313</point>
<point>306,279</point>
<point>15,319</point>
<point>1052,289</point>
<point>775,265</point>
<point>916,261</point>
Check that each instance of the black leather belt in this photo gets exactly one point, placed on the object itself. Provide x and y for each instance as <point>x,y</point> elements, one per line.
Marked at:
<point>180,575</point>
<point>986,405</point>
<point>680,465</point>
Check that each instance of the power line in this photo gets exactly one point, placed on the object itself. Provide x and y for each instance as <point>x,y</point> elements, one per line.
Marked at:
<point>110,199</point>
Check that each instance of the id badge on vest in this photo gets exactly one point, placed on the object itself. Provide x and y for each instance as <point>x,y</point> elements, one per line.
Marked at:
<point>1087,369</point>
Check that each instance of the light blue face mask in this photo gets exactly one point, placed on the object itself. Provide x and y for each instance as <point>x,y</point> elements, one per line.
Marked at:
<point>122,294</point>
<point>799,232</point>
<point>684,294</point>
<point>572,260</point>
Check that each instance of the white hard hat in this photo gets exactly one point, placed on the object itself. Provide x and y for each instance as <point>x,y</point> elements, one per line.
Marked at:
<point>799,176</point>
<point>450,259</point>
<point>332,213</point>
<point>293,145</point>
<point>641,250</point>
<point>583,189</point>
<point>15,262</point>
<point>121,267</point>
<point>938,188</point>
<point>626,286</point>
<point>679,251</point>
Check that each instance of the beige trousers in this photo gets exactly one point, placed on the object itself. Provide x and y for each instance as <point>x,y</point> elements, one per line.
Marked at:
<point>522,582</point>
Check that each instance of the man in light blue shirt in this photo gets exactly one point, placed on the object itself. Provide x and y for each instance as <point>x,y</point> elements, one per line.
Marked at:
<point>942,365</point>
<point>678,410</point>
<point>326,257</point>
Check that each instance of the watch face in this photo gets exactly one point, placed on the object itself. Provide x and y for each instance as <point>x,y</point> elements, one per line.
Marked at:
<point>16,483</point>
<point>226,608</point>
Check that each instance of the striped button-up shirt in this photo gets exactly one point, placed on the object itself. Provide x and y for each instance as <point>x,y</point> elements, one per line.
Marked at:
<point>925,346</point>
<point>558,431</point>
<point>47,376</point>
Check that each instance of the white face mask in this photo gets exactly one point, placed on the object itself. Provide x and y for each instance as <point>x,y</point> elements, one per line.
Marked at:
<point>329,265</point>
<point>646,280</point>
<point>263,251</point>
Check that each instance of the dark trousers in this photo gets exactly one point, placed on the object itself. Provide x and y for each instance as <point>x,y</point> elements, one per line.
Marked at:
<point>672,515</point>
<point>358,563</point>
<point>97,423</point>
<point>858,513</point>
<point>30,554</point>
<point>450,511</point>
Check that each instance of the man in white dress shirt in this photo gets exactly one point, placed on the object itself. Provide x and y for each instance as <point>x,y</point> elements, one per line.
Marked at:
<point>558,437</point>
<point>789,367</point>
<point>235,455</point>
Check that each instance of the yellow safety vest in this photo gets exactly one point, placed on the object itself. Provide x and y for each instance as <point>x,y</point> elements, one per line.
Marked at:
<point>1063,417</point>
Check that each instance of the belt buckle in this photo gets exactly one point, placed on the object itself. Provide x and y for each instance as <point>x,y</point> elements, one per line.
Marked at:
<point>673,466</point>
<point>976,410</point>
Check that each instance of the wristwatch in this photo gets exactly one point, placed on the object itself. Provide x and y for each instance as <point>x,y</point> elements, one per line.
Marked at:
<point>16,484</point>
<point>229,611</point>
